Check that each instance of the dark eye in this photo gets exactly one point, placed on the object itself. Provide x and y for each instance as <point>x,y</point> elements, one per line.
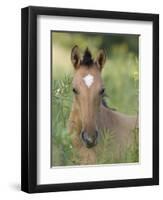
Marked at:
<point>102,91</point>
<point>75,91</point>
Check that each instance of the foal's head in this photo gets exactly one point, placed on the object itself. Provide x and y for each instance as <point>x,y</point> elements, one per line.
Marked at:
<point>88,91</point>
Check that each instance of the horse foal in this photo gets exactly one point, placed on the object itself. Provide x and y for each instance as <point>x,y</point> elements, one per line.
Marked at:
<point>90,115</point>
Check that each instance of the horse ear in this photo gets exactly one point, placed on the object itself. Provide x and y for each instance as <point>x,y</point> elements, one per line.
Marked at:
<point>75,56</point>
<point>101,58</point>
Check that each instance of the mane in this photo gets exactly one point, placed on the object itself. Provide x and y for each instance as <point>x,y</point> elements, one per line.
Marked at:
<point>87,58</point>
<point>104,103</point>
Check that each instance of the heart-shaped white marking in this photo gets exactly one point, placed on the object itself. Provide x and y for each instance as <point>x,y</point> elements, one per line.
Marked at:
<point>88,80</point>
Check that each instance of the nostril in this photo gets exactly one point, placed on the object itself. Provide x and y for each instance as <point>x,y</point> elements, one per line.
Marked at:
<point>86,138</point>
<point>89,140</point>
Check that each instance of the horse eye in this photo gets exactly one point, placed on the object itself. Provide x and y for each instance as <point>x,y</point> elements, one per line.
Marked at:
<point>75,91</point>
<point>102,91</point>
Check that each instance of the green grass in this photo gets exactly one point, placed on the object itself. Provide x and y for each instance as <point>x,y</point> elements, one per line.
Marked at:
<point>120,76</point>
<point>106,150</point>
<point>121,82</point>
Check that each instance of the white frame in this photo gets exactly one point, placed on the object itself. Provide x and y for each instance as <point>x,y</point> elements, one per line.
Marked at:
<point>48,175</point>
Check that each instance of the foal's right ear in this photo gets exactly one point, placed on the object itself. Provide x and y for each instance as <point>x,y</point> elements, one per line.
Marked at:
<point>101,58</point>
<point>75,56</point>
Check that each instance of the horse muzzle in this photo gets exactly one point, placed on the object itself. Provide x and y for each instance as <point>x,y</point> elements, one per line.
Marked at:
<point>89,140</point>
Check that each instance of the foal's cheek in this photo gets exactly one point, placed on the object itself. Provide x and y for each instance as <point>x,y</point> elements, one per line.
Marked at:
<point>77,100</point>
<point>79,104</point>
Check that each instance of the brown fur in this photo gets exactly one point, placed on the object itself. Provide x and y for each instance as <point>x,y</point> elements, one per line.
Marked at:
<point>89,113</point>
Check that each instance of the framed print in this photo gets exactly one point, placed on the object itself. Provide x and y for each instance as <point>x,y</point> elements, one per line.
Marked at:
<point>90,99</point>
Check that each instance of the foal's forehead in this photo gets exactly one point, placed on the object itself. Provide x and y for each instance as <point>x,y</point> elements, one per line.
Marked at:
<point>83,71</point>
<point>87,76</point>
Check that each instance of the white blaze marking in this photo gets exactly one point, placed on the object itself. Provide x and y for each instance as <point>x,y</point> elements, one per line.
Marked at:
<point>88,80</point>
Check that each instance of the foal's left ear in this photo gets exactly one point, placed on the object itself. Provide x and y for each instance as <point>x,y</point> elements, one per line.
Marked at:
<point>101,58</point>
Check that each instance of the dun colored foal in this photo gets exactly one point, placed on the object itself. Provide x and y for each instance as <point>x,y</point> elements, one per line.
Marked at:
<point>90,115</point>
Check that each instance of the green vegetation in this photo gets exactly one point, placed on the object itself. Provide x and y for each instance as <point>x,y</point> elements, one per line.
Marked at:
<point>120,75</point>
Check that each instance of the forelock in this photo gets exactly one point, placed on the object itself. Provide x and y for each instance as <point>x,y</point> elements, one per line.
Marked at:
<point>87,58</point>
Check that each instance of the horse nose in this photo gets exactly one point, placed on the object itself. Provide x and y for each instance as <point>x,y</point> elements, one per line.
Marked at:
<point>89,140</point>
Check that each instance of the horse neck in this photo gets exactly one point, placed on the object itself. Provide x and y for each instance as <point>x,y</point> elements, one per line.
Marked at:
<point>112,120</point>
